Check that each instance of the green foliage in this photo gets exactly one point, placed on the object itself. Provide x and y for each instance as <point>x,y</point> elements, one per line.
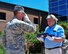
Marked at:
<point>2,49</point>
<point>66,31</point>
<point>31,37</point>
<point>64,24</point>
<point>1,33</point>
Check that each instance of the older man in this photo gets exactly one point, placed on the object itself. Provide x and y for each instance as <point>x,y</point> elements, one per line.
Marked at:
<point>54,36</point>
<point>14,31</point>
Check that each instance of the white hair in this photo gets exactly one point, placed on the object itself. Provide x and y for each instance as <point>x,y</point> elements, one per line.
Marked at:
<point>52,16</point>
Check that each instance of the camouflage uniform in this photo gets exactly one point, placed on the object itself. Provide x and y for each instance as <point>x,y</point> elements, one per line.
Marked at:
<point>14,36</point>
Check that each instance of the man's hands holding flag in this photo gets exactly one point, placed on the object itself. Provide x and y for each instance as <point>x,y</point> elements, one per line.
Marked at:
<point>41,37</point>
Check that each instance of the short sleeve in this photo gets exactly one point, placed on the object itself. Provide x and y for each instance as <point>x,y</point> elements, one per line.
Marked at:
<point>60,32</point>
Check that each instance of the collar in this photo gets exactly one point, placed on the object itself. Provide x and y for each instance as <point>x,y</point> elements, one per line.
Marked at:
<point>52,26</point>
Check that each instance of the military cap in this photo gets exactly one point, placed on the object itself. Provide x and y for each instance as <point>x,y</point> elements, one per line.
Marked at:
<point>19,8</point>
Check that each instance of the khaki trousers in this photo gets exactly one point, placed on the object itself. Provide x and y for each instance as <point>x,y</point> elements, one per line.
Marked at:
<point>53,51</point>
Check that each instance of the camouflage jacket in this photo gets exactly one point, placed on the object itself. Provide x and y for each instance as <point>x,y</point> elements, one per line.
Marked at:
<point>14,33</point>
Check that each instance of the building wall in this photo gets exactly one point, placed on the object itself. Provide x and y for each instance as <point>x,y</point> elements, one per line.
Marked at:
<point>59,7</point>
<point>9,15</point>
<point>8,10</point>
<point>32,14</point>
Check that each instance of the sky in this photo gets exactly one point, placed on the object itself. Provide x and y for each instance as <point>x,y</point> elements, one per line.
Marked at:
<point>34,4</point>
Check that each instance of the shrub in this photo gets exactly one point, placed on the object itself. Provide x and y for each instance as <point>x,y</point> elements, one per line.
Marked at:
<point>2,49</point>
<point>31,39</point>
<point>1,33</point>
<point>65,26</point>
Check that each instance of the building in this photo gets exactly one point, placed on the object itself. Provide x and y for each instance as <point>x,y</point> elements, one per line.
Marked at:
<point>59,8</point>
<point>36,13</point>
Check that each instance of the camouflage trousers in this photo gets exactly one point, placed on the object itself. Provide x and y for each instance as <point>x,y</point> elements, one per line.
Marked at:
<point>10,51</point>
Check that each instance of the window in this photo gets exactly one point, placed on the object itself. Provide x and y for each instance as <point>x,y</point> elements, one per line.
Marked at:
<point>67,6</point>
<point>63,13</point>
<point>53,0</point>
<point>62,7</point>
<point>50,9</point>
<point>55,12</point>
<point>55,9</point>
<point>35,20</point>
<point>67,12</point>
<point>50,5</point>
<point>67,1</point>
<point>49,0</point>
<point>2,16</point>
<point>54,4</point>
<point>62,2</point>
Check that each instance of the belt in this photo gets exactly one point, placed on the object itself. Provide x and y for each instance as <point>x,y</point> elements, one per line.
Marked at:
<point>53,48</point>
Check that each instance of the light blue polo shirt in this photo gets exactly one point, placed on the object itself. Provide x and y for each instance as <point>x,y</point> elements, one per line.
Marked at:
<point>57,31</point>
